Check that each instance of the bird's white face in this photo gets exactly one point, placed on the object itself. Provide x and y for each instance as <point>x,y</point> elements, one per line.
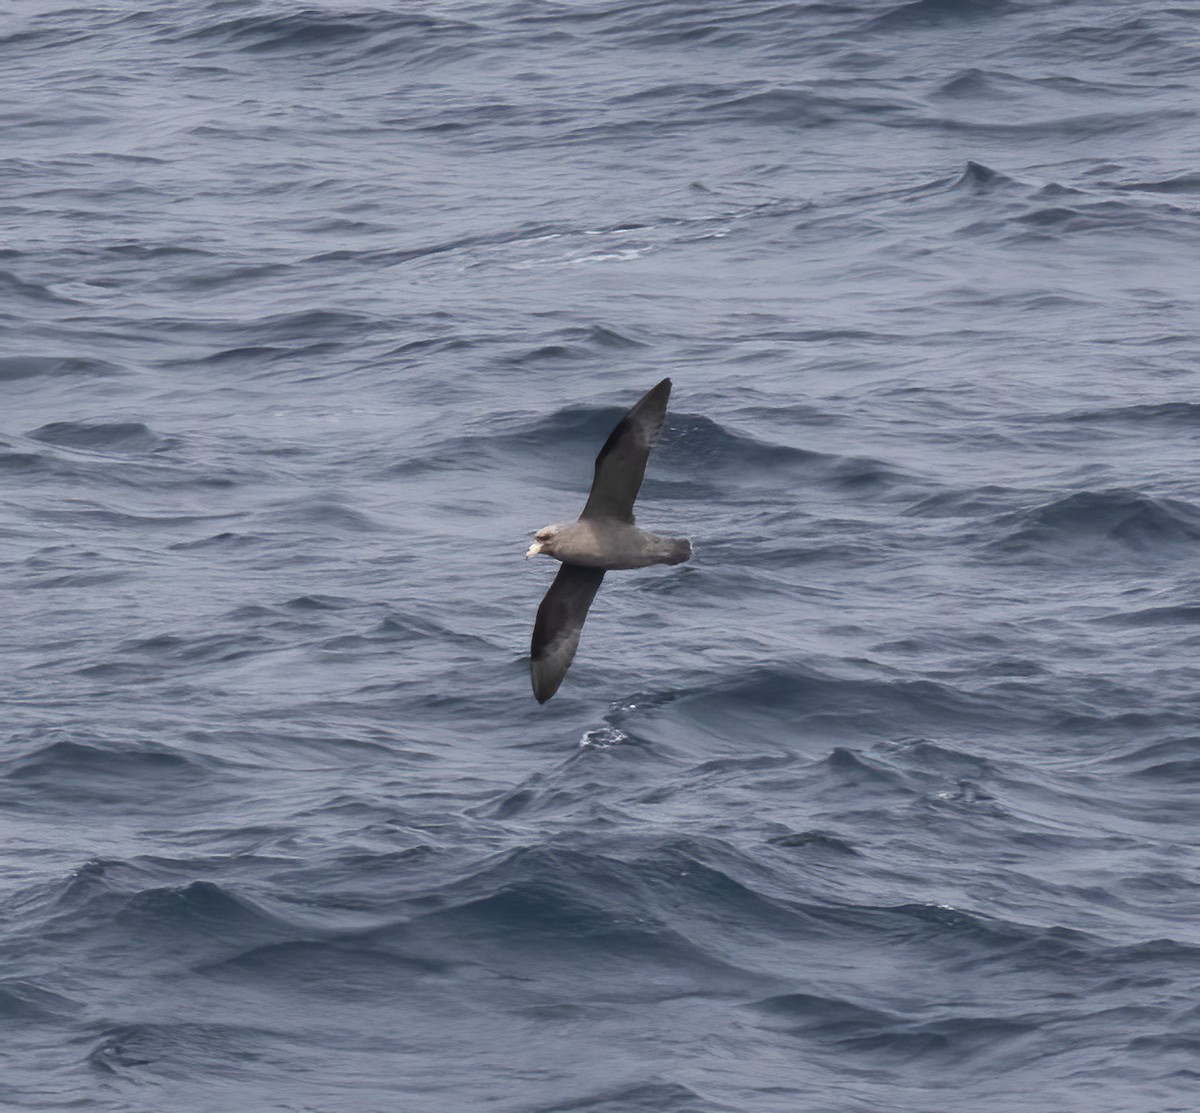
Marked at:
<point>543,541</point>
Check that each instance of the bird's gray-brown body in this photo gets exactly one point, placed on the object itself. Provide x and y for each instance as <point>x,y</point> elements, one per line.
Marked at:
<point>603,539</point>
<point>609,544</point>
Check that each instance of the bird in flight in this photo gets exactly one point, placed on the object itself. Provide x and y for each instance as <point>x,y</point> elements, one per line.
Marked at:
<point>602,539</point>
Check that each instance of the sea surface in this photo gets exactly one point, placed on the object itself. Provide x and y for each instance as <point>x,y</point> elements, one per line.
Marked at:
<point>887,802</point>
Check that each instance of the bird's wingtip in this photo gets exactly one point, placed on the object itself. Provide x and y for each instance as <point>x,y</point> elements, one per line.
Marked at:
<point>659,393</point>
<point>543,686</point>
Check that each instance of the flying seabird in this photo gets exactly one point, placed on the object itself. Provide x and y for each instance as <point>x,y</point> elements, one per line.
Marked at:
<point>602,539</point>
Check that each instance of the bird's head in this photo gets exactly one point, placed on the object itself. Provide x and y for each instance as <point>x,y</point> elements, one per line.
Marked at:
<point>544,541</point>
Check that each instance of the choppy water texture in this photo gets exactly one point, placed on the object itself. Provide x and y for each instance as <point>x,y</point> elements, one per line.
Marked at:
<point>887,801</point>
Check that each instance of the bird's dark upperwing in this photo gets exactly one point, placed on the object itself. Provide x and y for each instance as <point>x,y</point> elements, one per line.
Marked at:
<point>622,461</point>
<point>558,626</point>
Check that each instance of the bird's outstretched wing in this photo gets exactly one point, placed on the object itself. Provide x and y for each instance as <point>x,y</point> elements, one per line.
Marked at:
<point>558,626</point>
<point>622,461</point>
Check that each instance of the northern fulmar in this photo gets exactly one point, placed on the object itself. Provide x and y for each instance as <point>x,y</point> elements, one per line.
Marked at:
<point>603,538</point>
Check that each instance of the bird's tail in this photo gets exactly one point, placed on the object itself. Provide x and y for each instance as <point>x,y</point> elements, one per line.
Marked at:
<point>678,549</point>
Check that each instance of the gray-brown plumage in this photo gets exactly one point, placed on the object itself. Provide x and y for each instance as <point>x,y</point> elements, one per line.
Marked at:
<point>603,538</point>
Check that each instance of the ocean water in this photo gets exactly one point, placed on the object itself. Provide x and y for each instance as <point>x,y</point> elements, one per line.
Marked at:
<point>311,312</point>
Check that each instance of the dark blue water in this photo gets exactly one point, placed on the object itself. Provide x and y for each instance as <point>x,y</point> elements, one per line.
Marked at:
<point>310,313</point>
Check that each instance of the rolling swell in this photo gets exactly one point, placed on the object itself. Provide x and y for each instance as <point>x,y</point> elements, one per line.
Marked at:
<point>883,801</point>
<point>118,436</point>
<point>1116,519</point>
